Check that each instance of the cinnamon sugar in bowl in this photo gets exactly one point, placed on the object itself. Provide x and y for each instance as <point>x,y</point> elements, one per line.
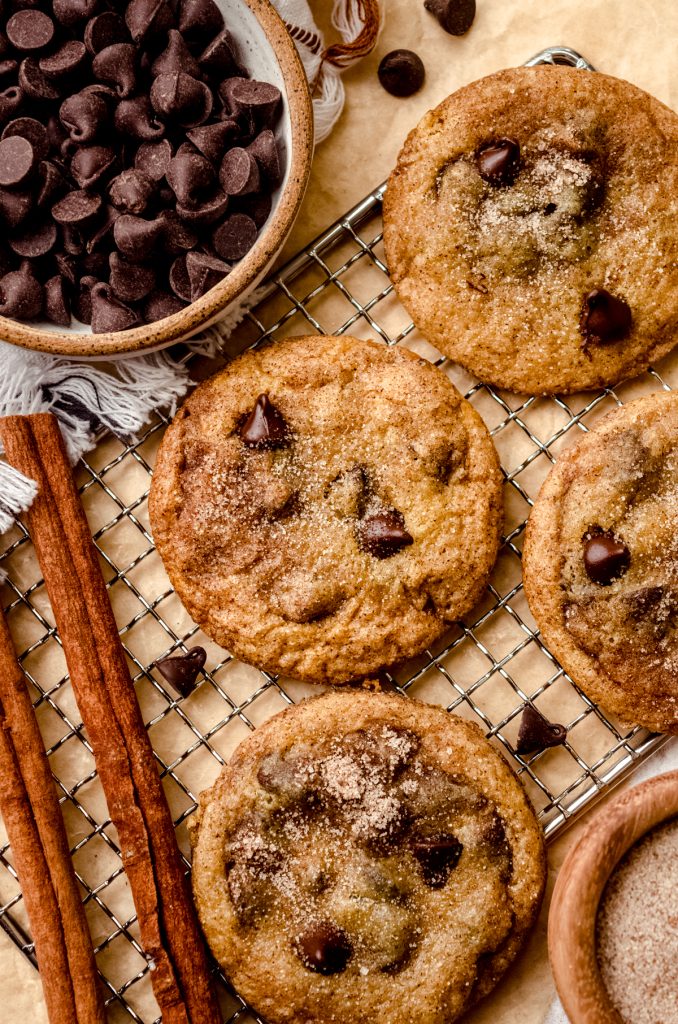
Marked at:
<point>613,924</point>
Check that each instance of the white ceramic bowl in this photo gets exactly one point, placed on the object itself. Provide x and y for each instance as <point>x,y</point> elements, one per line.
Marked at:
<point>268,52</point>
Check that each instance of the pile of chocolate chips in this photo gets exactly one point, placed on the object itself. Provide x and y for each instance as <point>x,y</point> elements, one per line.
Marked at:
<point>137,159</point>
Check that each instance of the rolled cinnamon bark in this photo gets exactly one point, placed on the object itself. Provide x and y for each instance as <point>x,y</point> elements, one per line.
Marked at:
<point>103,689</point>
<point>35,828</point>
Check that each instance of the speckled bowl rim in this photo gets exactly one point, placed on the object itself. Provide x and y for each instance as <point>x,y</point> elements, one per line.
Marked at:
<point>207,310</point>
<point>588,867</point>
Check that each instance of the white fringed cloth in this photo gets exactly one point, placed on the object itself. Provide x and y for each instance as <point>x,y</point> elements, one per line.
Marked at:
<point>86,398</point>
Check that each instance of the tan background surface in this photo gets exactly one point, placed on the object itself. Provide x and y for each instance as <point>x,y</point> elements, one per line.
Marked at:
<point>634,39</point>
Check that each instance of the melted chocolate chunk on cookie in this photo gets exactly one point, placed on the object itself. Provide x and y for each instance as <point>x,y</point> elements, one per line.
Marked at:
<point>537,733</point>
<point>606,558</point>
<point>324,948</point>
<point>383,534</point>
<point>499,162</point>
<point>181,670</point>
<point>605,318</point>
<point>265,427</point>
<point>658,604</point>
<point>437,857</point>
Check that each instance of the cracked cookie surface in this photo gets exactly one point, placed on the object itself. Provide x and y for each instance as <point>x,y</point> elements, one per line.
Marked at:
<point>515,204</point>
<point>366,856</point>
<point>601,562</point>
<point>325,507</point>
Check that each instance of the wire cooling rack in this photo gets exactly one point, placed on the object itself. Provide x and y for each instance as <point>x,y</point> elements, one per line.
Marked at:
<point>487,668</point>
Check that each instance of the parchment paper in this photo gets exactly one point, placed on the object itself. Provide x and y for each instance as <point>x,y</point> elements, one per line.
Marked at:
<point>633,39</point>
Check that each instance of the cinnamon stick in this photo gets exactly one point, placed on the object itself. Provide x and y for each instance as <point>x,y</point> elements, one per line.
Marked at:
<point>35,828</point>
<point>105,695</point>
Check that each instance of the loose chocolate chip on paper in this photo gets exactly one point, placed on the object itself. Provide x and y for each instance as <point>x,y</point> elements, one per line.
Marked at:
<point>455,16</point>
<point>606,558</point>
<point>537,733</point>
<point>181,670</point>
<point>17,161</point>
<point>605,318</point>
<point>383,534</point>
<point>324,948</point>
<point>235,237</point>
<point>401,72</point>
<point>437,857</point>
<point>30,30</point>
<point>265,426</point>
<point>499,162</point>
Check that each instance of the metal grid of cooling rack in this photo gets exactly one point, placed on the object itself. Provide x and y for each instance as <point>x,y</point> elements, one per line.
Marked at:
<point>487,668</point>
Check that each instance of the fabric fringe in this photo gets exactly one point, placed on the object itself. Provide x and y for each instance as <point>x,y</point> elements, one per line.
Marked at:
<point>358,22</point>
<point>17,493</point>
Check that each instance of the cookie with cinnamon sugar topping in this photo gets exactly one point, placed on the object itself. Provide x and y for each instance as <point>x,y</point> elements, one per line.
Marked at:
<point>601,562</point>
<point>366,856</point>
<point>529,227</point>
<point>327,507</point>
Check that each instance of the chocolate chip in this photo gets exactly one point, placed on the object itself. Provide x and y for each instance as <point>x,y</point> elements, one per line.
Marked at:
<point>264,149</point>
<point>34,240</point>
<point>8,69</point>
<point>153,159</point>
<point>175,58</point>
<point>383,534</point>
<point>34,83</point>
<point>102,235</point>
<point>499,162</point>
<point>105,30</point>
<point>76,207</point>
<point>455,16</point>
<point>265,427</point>
<point>239,173</point>
<point>235,237</point>
<point>117,65</point>
<point>135,117</point>
<point>72,240</point>
<point>131,191</point>
<point>57,305</point>
<point>137,238</point>
<point>68,59</point>
<point>109,315</point>
<point>605,318</point>
<point>82,307</point>
<point>180,98</point>
<point>148,18</point>
<point>219,56</point>
<point>437,857</point>
<point>160,305</point>
<point>204,272</point>
<point>213,139</point>
<point>130,282</point>
<point>91,163</point>
<point>191,176</point>
<point>72,12</point>
<point>15,206</point>
<point>179,237</point>
<point>181,670</point>
<point>537,733</point>
<point>324,948</point>
<point>401,72</point>
<point>605,557</point>
<point>209,210</point>
<point>32,130</point>
<point>30,30</point>
<point>10,101</point>
<point>84,116</point>
<point>179,280</point>
<point>258,207</point>
<point>17,161</point>
<point>260,101</point>
<point>21,294</point>
<point>199,20</point>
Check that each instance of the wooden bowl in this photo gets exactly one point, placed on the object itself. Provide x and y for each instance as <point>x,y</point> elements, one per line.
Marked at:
<point>269,53</point>
<point>580,885</point>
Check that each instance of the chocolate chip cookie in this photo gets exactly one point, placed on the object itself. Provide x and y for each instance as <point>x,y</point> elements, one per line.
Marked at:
<point>366,857</point>
<point>601,562</point>
<point>326,507</point>
<point>530,229</point>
